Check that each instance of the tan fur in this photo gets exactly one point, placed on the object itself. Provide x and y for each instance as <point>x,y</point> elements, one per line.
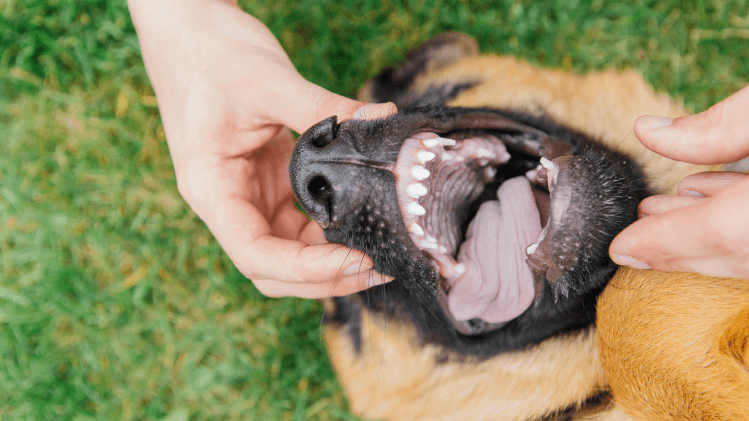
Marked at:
<point>395,377</point>
<point>675,345</point>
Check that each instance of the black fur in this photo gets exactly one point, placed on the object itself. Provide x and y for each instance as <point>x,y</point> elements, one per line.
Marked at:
<point>363,214</point>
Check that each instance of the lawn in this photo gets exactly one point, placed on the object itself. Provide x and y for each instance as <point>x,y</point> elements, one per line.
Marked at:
<point>115,300</point>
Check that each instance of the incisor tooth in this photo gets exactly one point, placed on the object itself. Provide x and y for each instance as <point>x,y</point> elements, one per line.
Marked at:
<point>416,209</point>
<point>426,245</point>
<point>483,153</point>
<point>416,229</point>
<point>417,190</point>
<point>446,156</point>
<point>419,172</point>
<point>425,156</point>
<point>460,268</point>
<point>430,143</point>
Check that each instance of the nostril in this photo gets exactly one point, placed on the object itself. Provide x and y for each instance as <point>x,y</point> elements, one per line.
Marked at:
<point>327,136</point>
<point>320,189</point>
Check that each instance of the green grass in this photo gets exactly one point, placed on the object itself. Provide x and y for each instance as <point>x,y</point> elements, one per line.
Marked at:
<point>116,302</point>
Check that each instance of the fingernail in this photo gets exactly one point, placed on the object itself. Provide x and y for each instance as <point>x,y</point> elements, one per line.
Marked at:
<point>653,122</point>
<point>690,193</point>
<point>375,111</point>
<point>624,260</point>
<point>356,268</point>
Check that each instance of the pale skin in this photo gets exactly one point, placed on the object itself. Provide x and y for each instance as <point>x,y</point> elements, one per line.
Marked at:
<point>228,95</point>
<point>705,228</point>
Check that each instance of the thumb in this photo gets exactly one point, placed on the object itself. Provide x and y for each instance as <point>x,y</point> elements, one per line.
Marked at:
<point>311,104</point>
<point>717,136</point>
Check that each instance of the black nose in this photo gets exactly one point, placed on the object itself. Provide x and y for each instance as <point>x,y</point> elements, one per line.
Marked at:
<point>321,180</point>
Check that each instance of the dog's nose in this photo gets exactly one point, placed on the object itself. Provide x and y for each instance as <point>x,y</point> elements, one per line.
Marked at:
<point>319,175</point>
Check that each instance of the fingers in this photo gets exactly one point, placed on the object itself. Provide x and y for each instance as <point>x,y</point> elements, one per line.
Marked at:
<point>708,235</point>
<point>708,183</point>
<point>307,104</point>
<point>660,204</point>
<point>344,286</point>
<point>284,267</point>
<point>717,136</point>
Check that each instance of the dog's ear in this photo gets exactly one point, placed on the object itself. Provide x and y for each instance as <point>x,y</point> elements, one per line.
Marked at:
<point>394,84</point>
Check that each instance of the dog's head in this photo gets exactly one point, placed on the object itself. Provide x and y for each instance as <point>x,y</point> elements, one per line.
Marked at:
<point>487,213</point>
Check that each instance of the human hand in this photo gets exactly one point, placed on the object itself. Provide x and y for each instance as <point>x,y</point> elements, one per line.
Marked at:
<point>227,91</point>
<point>705,229</point>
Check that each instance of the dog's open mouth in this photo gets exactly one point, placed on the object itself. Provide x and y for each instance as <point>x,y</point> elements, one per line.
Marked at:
<point>482,215</point>
<point>508,215</point>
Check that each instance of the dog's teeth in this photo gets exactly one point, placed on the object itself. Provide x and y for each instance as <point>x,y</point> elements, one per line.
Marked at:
<point>483,153</point>
<point>505,158</point>
<point>446,142</point>
<point>430,143</point>
<point>531,249</point>
<point>431,239</point>
<point>446,156</point>
<point>460,158</point>
<point>425,156</point>
<point>416,229</point>
<point>460,268</point>
<point>416,209</point>
<point>424,135</point>
<point>548,164</point>
<point>419,172</point>
<point>416,190</point>
<point>443,249</point>
<point>489,174</point>
<point>427,245</point>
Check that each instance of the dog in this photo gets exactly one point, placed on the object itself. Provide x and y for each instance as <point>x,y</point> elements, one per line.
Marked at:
<point>492,197</point>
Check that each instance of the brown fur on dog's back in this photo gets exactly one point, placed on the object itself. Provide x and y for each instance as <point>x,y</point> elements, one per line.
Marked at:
<point>675,345</point>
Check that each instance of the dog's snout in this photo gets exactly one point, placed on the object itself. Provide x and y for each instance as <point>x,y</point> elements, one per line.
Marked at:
<point>323,133</point>
<point>320,177</point>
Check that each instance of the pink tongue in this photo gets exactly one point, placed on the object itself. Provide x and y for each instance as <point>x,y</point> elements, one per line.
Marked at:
<point>498,285</point>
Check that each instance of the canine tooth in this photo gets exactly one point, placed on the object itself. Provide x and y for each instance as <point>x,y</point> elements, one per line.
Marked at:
<point>446,142</point>
<point>417,190</point>
<point>548,164</point>
<point>446,156</point>
<point>416,229</point>
<point>419,172</point>
<point>531,249</point>
<point>425,156</point>
<point>416,209</point>
<point>505,158</point>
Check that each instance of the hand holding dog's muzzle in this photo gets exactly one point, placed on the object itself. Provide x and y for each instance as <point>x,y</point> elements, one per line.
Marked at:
<point>227,93</point>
